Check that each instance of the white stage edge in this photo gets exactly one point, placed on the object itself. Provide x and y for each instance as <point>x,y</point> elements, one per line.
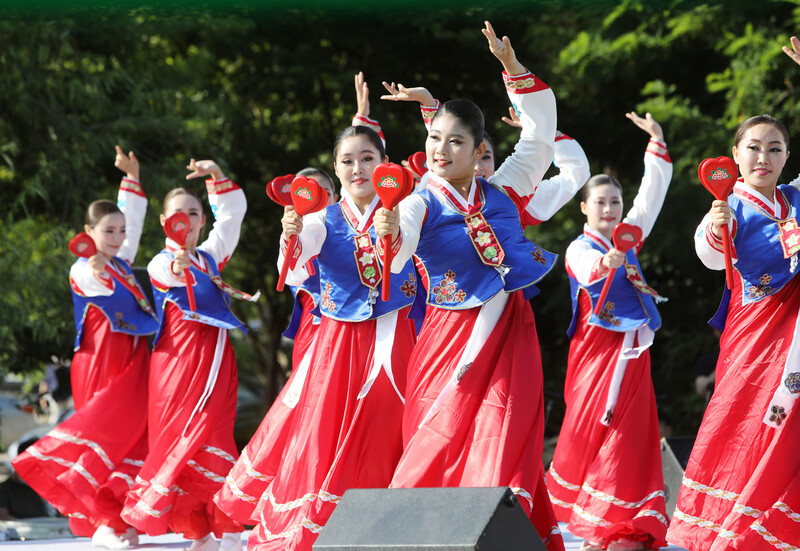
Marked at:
<point>171,542</point>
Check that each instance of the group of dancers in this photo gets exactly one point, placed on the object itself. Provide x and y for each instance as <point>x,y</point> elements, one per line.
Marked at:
<point>441,384</point>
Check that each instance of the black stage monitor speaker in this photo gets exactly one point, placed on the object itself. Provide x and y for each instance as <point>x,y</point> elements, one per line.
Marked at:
<point>444,519</point>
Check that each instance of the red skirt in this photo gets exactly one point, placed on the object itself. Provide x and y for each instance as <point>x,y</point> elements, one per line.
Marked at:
<point>248,479</point>
<point>188,461</point>
<point>339,441</point>
<point>489,431</point>
<point>606,482</point>
<point>741,489</point>
<point>85,465</point>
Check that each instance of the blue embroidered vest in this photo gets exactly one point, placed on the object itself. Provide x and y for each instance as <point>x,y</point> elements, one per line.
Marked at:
<point>627,308</point>
<point>121,309</point>
<point>342,295</point>
<point>310,287</point>
<point>213,306</point>
<point>461,280</point>
<point>760,265</point>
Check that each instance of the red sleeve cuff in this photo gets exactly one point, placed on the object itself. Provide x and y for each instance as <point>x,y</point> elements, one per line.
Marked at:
<point>218,187</point>
<point>429,112</point>
<point>524,83</point>
<point>658,149</point>
<point>599,271</point>
<point>132,186</point>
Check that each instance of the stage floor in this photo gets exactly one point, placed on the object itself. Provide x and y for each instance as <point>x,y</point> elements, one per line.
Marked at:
<point>172,542</point>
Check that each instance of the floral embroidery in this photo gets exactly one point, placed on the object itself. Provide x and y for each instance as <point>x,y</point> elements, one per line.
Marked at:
<point>538,256</point>
<point>793,382</point>
<point>463,370</point>
<point>777,415</point>
<point>120,323</point>
<point>446,290</point>
<point>409,287</point>
<point>762,289</point>
<point>366,258</point>
<point>607,315</point>
<point>327,303</point>
<point>483,238</point>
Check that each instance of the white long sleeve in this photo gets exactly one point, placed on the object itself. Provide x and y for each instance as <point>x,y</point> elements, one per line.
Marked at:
<point>652,190</point>
<point>535,103</point>
<point>310,243</point>
<point>228,205</point>
<point>557,191</point>
<point>132,201</point>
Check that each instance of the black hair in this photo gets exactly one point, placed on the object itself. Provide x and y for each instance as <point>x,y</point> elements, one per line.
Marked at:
<point>98,209</point>
<point>351,131</point>
<point>179,191</point>
<point>468,115</point>
<point>761,119</point>
<point>314,171</point>
<point>597,181</point>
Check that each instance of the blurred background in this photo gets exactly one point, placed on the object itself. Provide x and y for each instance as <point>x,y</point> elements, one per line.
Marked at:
<point>263,88</point>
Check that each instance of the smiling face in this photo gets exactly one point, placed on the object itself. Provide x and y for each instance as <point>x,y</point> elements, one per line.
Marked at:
<point>761,154</point>
<point>603,208</point>
<point>451,151</point>
<point>189,204</point>
<point>356,159</point>
<point>484,166</point>
<point>108,234</point>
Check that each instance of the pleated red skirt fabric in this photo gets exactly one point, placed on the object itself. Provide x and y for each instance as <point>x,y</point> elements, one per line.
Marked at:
<point>489,431</point>
<point>741,489</point>
<point>85,466</point>
<point>338,441</point>
<point>606,481</point>
<point>187,461</point>
<point>254,470</point>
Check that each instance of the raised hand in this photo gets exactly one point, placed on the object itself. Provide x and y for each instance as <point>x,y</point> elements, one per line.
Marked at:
<point>794,53</point>
<point>398,92</point>
<point>613,259</point>
<point>362,95</point>
<point>181,261</point>
<point>292,222</point>
<point>97,263</point>
<point>128,164</point>
<point>204,168</point>
<point>502,50</point>
<point>386,222</point>
<point>721,215</point>
<point>648,124</point>
<point>512,119</point>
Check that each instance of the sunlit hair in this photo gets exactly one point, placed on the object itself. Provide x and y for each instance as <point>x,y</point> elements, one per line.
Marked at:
<point>352,131</point>
<point>179,191</point>
<point>468,115</point>
<point>761,119</point>
<point>597,181</point>
<point>310,172</point>
<point>98,209</point>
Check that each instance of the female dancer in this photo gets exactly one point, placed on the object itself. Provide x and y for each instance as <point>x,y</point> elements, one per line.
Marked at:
<point>248,479</point>
<point>193,379</point>
<point>741,488</point>
<point>85,465</point>
<point>551,194</point>
<point>474,411</point>
<point>346,433</point>
<point>605,479</point>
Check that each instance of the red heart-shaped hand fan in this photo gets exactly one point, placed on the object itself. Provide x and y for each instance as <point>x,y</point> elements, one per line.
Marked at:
<point>392,183</point>
<point>280,189</point>
<point>719,176</point>
<point>82,245</point>
<point>625,237</point>
<point>307,197</point>
<point>419,163</point>
<point>176,227</point>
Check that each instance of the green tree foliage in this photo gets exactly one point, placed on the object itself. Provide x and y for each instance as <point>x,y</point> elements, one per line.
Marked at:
<point>264,90</point>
